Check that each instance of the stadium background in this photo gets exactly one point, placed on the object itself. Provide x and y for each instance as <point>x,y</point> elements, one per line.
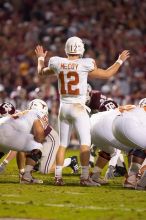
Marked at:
<point>106,27</point>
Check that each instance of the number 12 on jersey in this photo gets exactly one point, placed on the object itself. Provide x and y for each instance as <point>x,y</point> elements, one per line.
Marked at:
<point>68,81</point>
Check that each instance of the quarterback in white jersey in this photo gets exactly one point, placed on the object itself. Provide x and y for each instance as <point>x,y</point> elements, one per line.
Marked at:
<point>73,72</point>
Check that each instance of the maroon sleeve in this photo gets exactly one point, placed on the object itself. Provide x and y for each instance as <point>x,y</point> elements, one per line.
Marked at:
<point>47,130</point>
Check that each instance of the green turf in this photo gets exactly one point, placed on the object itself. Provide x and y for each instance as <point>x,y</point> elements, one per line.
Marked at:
<point>70,202</point>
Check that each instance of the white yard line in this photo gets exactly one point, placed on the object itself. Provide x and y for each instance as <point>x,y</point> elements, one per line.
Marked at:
<point>18,218</point>
<point>9,195</point>
<point>72,193</point>
<point>64,205</point>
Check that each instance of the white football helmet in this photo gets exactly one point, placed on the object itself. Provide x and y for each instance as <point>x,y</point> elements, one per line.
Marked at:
<point>39,105</point>
<point>74,45</point>
<point>142,102</point>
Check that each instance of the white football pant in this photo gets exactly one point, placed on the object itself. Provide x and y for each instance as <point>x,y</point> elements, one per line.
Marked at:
<point>130,131</point>
<point>74,115</point>
<point>49,151</point>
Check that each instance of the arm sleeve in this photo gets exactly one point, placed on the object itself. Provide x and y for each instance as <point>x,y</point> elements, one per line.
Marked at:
<point>53,63</point>
<point>89,64</point>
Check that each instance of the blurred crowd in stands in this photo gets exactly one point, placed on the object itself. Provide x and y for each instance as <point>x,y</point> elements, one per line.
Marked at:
<point>106,27</point>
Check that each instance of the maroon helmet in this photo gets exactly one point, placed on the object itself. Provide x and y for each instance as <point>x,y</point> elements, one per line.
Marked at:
<point>96,99</point>
<point>108,105</point>
<point>6,108</point>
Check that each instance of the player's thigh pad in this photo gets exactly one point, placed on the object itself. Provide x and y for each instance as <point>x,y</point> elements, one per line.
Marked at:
<point>64,132</point>
<point>82,126</point>
<point>49,151</point>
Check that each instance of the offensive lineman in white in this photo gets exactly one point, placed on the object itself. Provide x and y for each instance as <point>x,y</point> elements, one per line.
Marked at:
<point>130,129</point>
<point>72,74</point>
<point>25,131</point>
<point>103,138</point>
<point>50,145</point>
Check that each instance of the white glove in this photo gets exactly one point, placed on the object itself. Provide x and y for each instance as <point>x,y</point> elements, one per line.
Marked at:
<point>110,172</point>
<point>3,166</point>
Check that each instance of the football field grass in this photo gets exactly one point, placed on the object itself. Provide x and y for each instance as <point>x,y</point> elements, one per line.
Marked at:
<point>69,202</point>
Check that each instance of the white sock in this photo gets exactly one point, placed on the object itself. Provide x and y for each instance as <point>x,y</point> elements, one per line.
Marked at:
<point>27,172</point>
<point>21,170</point>
<point>67,162</point>
<point>134,168</point>
<point>84,172</point>
<point>97,169</point>
<point>28,168</point>
<point>58,171</point>
<point>91,158</point>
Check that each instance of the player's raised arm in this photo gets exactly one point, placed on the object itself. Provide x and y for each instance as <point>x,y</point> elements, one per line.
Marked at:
<point>112,70</point>
<point>41,54</point>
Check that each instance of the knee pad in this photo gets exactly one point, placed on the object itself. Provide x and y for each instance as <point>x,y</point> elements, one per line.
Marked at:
<point>105,155</point>
<point>139,153</point>
<point>1,154</point>
<point>35,155</point>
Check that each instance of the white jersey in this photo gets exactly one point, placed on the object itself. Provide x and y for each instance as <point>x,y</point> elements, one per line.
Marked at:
<point>72,75</point>
<point>23,121</point>
<point>4,119</point>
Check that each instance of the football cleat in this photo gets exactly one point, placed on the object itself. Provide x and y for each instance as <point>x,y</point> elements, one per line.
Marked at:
<point>88,182</point>
<point>141,182</point>
<point>130,182</point>
<point>138,187</point>
<point>74,164</point>
<point>29,180</point>
<point>96,178</point>
<point>58,182</point>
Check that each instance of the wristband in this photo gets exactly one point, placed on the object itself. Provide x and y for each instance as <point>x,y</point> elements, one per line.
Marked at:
<point>119,61</point>
<point>41,58</point>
